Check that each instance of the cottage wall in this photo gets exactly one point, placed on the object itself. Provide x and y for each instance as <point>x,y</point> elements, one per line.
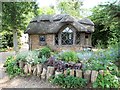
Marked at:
<point>34,42</point>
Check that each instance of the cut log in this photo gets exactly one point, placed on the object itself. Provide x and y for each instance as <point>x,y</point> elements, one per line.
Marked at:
<point>21,64</point>
<point>57,73</point>
<point>43,75</point>
<point>94,75</point>
<point>39,69</point>
<point>50,71</point>
<point>87,74</point>
<point>26,69</point>
<point>72,72</point>
<point>34,70</point>
<point>101,72</point>
<point>79,73</point>
<point>29,68</point>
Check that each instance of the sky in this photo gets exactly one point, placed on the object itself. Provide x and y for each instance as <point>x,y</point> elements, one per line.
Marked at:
<point>86,3</point>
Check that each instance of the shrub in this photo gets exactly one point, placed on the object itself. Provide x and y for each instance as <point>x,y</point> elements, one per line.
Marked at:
<point>45,52</point>
<point>69,81</point>
<point>22,56</point>
<point>32,57</point>
<point>9,60</point>
<point>12,68</point>
<point>106,81</point>
<point>69,56</point>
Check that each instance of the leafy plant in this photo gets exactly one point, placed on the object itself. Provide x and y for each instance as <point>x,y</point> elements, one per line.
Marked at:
<point>12,68</point>
<point>9,60</point>
<point>69,56</point>
<point>46,51</point>
<point>106,81</point>
<point>22,56</point>
<point>69,81</point>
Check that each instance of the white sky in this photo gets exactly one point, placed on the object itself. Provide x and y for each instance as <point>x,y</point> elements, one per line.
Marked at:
<point>86,3</point>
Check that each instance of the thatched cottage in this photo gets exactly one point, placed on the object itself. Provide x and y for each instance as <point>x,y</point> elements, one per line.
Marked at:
<point>60,32</point>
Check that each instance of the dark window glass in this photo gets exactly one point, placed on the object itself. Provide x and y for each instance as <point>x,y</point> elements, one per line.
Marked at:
<point>42,38</point>
<point>77,37</point>
<point>56,39</point>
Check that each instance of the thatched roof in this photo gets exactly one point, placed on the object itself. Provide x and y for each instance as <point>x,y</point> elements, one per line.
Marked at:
<point>53,23</point>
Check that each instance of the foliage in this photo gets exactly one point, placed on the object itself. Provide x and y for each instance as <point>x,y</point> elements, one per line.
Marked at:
<point>106,19</point>
<point>32,57</point>
<point>9,60</point>
<point>22,56</point>
<point>14,18</point>
<point>106,81</point>
<point>44,52</point>
<point>69,56</point>
<point>70,7</point>
<point>69,81</point>
<point>12,68</point>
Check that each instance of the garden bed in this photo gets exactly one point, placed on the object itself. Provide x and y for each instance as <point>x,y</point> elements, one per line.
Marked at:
<point>83,67</point>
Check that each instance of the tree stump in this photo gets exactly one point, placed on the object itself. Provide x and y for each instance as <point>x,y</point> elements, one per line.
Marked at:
<point>50,71</point>
<point>101,72</point>
<point>21,64</point>
<point>34,70</point>
<point>29,68</point>
<point>43,75</point>
<point>79,73</point>
<point>72,72</point>
<point>39,69</point>
<point>57,73</point>
<point>87,74</point>
<point>94,75</point>
<point>26,69</point>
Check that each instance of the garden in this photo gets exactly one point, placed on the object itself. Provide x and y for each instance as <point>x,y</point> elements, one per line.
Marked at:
<point>69,69</point>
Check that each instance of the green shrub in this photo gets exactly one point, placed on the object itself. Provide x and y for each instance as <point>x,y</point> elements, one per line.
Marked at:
<point>69,81</point>
<point>106,81</point>
<point>9,60</point>
<point>22,56</point>
<point>69,56</point>
<point>46,51</point>
<point>12,68</point>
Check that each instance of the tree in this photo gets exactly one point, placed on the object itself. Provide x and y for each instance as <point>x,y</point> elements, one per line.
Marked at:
<point>14,18</point>
<point>106,19</point>
<point>71,7</point>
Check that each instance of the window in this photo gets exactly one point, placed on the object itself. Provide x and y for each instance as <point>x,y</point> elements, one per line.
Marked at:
<point>78,38</point>
<point>56,39</point>
<point>42,40</point>
<point>67,36</point>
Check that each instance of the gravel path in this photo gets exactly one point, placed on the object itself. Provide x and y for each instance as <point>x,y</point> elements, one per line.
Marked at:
<point>26,82</point>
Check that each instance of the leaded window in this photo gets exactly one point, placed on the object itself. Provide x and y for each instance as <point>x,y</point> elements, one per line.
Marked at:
<point>67,36</point>
<point>78,38</point>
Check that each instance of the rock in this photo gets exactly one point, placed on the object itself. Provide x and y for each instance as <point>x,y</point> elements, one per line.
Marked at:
<point>34,70</point>
<point>43,75</point>
<point>50,71</point>
<point>57,73</point>
<point>39,69</point>
<point>26,69</point>
<point>79,73</point>
<point>72,72</point>
<point>21,64</point>
<point>87,74</point>
<point>94,75</point>
<point>29,68</point>
<point>101,72</point>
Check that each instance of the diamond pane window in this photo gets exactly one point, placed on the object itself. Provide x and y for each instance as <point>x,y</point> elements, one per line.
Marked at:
<point>78,38</point>
<point>67,36</point>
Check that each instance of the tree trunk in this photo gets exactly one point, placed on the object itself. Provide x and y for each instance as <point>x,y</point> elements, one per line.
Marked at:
<point>15,41</point>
